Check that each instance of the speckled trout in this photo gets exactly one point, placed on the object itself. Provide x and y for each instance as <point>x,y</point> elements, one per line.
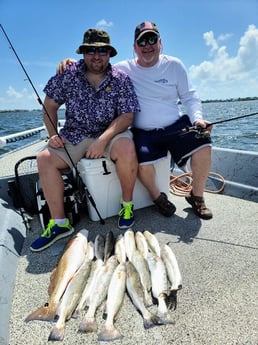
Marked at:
<point>135,291</point>
<point>100,289</point>
<point>116,292</point>
<point>159,284</point>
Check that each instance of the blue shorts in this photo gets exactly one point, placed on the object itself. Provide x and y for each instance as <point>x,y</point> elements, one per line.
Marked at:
<point>154,144</point>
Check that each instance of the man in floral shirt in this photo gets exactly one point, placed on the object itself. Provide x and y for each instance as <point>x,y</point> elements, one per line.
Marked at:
<point>100,103</point>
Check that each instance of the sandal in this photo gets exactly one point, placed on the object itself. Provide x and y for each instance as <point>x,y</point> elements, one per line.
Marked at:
<point>164,206</point>
<point>198,205</point>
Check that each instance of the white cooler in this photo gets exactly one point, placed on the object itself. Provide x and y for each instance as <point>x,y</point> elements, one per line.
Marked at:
<point>99,175</point>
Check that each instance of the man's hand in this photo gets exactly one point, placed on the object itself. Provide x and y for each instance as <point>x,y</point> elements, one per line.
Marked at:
<point>62,66</point>
<point>56,141</point>
<point>96,149</point>
<point>204,124</point>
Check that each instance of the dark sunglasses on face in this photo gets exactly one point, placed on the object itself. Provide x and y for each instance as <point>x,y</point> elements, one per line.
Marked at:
<point>102,51</point>
<point>142,42</point>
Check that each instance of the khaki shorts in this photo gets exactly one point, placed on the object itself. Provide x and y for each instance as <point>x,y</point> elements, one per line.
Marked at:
<point>78,151</point>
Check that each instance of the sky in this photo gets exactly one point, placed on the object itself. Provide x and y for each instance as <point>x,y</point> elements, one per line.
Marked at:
<point>217,40</point>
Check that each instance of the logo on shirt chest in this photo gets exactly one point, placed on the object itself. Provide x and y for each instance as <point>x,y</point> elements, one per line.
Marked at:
<point>161,81</point>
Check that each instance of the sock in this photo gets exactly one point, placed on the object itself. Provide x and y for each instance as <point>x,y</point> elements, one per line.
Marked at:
<point>126,202</point>
<point>60,221</point>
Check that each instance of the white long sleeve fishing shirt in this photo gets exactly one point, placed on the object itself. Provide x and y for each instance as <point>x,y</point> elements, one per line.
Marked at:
<point>159,88</point>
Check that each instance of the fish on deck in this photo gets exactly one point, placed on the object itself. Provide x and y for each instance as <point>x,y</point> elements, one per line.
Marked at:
<point>116,293</point>
<point>70,300</point>
<point>69,263</point>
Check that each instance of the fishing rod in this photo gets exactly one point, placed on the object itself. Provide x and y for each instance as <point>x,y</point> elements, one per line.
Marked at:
<point>54,126</point>
<point>200,129</point>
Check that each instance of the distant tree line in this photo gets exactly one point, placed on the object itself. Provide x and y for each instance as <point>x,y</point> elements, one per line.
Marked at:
<point>231,100</point>
<point>206,101</point>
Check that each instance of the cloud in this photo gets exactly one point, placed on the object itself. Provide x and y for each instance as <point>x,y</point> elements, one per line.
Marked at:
<point>11,92</point>
<point>210,41</point>
<point>14,94</point>
<point>224,70</point>
<point>18,99</point>
<point>104,24</point>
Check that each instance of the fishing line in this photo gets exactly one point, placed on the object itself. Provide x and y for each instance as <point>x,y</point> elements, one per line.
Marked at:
<point>54,126</point>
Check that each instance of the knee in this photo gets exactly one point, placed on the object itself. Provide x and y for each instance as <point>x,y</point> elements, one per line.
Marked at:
<point>202,156</point>
<point>124,147</point>
<point>43,159</point>
<point>145,169</point>
<point>203,152</point>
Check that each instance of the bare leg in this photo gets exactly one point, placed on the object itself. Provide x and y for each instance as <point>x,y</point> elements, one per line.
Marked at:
<point>123,153</point>
<point>49,166</point>
<point>200,166</point>
<point>147,175</point>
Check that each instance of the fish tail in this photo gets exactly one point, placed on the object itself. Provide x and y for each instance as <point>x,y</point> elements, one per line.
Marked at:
<point>165,318</point>
<point>44,313</point>
<point>109,333</point>
<point>88,325</point>
<point>153,320</point>
<point>76,314</point>
<point>57,334</point>
<point>163,313</point>
<point>148,323</point>
<point>171,300</point>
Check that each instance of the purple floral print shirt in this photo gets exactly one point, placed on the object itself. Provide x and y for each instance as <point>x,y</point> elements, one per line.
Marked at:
<point>89,112</point>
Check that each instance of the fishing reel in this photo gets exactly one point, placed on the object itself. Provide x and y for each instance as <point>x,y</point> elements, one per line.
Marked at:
<point>201,133</point>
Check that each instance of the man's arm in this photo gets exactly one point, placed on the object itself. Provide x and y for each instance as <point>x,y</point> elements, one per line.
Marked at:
<point>118,125</point>
<point>51,106</point>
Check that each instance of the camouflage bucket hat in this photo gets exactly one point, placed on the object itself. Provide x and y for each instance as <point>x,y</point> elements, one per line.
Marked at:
<point>96,38</point>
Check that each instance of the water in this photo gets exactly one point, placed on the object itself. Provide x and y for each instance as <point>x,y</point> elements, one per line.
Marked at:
<point>241,134</point>
<point>14,122</point>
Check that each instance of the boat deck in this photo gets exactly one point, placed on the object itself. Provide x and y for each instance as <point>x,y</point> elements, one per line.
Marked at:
<point>217,305</point>
<point>8,161</point>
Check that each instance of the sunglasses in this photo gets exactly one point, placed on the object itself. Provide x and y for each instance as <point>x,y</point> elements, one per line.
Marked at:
<point>142,42</point>
<point>102,51</point>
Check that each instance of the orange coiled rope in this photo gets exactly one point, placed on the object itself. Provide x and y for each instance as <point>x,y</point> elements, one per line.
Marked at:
<point>182,184</point>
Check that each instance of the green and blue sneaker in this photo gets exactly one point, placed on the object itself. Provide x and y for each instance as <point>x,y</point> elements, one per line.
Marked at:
<point>126,218</point>
<point>53,233</point>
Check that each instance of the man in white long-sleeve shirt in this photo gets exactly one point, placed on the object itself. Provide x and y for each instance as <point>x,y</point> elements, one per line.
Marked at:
<point>160,82</point>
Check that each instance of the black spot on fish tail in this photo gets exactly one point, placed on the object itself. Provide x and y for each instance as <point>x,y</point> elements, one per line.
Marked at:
<point>104,312</point>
